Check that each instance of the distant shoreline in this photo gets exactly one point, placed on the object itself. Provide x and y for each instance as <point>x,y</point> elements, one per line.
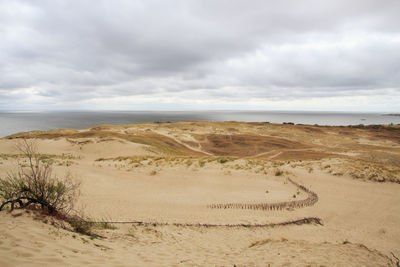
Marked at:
<point>101,126</point>
<point>392,114</point>
<point>22,122</point>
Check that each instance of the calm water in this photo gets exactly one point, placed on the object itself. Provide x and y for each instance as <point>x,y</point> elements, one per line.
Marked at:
<point>13,122</point>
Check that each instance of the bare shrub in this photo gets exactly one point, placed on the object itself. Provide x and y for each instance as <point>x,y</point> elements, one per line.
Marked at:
<point>34,183</point>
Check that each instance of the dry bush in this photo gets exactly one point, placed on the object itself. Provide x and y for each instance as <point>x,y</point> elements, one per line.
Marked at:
<point>35,184</point>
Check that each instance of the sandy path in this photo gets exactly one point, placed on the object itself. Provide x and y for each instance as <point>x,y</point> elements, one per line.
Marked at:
<point>197,149</point>
<point>275,155</point>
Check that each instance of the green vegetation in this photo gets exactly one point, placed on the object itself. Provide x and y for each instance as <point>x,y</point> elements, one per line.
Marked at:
<point>223,160</point>
<point>35,184</point>
<point>60,160</point>
<point>81,225</point>
<point>104,225</point>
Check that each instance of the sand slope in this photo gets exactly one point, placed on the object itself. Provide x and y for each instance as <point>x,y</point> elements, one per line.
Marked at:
<point>26,242</point>
<point>171,173</point>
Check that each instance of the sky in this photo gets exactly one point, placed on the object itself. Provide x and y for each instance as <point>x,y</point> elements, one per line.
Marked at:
<point>332,55</point>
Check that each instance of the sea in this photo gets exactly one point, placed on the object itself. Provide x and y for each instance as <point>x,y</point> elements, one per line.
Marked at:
<point>13,122</point>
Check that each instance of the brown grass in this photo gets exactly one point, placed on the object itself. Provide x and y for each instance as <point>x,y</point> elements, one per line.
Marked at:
<point>376,145</point>
<point>159,142</point>
<point>245,145</point>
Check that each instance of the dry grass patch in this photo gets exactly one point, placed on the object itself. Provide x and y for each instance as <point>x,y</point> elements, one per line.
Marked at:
<point>244,145</point>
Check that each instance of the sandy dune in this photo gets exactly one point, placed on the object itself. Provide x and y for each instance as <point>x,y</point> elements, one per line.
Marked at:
<point>171,173</point>
<point>27,242</point>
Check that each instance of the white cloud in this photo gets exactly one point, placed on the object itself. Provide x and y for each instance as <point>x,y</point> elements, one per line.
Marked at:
<point>336,55</point>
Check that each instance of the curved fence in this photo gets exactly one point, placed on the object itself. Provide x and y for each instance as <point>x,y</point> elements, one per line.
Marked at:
<point>295,204</point>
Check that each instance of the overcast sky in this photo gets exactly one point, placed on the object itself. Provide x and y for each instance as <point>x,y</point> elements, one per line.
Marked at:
<point>188,55</point>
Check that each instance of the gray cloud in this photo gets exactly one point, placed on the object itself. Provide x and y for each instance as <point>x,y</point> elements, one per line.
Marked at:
<point>75,54</point>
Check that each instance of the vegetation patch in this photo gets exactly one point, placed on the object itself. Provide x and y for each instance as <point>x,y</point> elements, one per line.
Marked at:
<point>35,186</point>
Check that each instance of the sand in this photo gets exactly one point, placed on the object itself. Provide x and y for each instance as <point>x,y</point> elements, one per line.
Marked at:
<point>174,184</point>
<point>26,242</point>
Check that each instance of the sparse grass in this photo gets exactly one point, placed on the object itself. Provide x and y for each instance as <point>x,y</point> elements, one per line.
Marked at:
<point>278,172</point>
<point>7,156</point>
<point>104,225</point>
<point>81,225</point>
<point>132,231</point>
<point>163,161</point>
<point>60,160</point>
<point>150,230</point>
<point>223,160</point>
<point>365,170</point>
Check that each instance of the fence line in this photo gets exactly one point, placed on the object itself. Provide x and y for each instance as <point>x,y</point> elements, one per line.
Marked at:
<point>306,220</point>
<point>296,204</point>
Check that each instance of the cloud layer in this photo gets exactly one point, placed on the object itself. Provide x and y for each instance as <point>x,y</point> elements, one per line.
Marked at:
<point>300,55</point>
